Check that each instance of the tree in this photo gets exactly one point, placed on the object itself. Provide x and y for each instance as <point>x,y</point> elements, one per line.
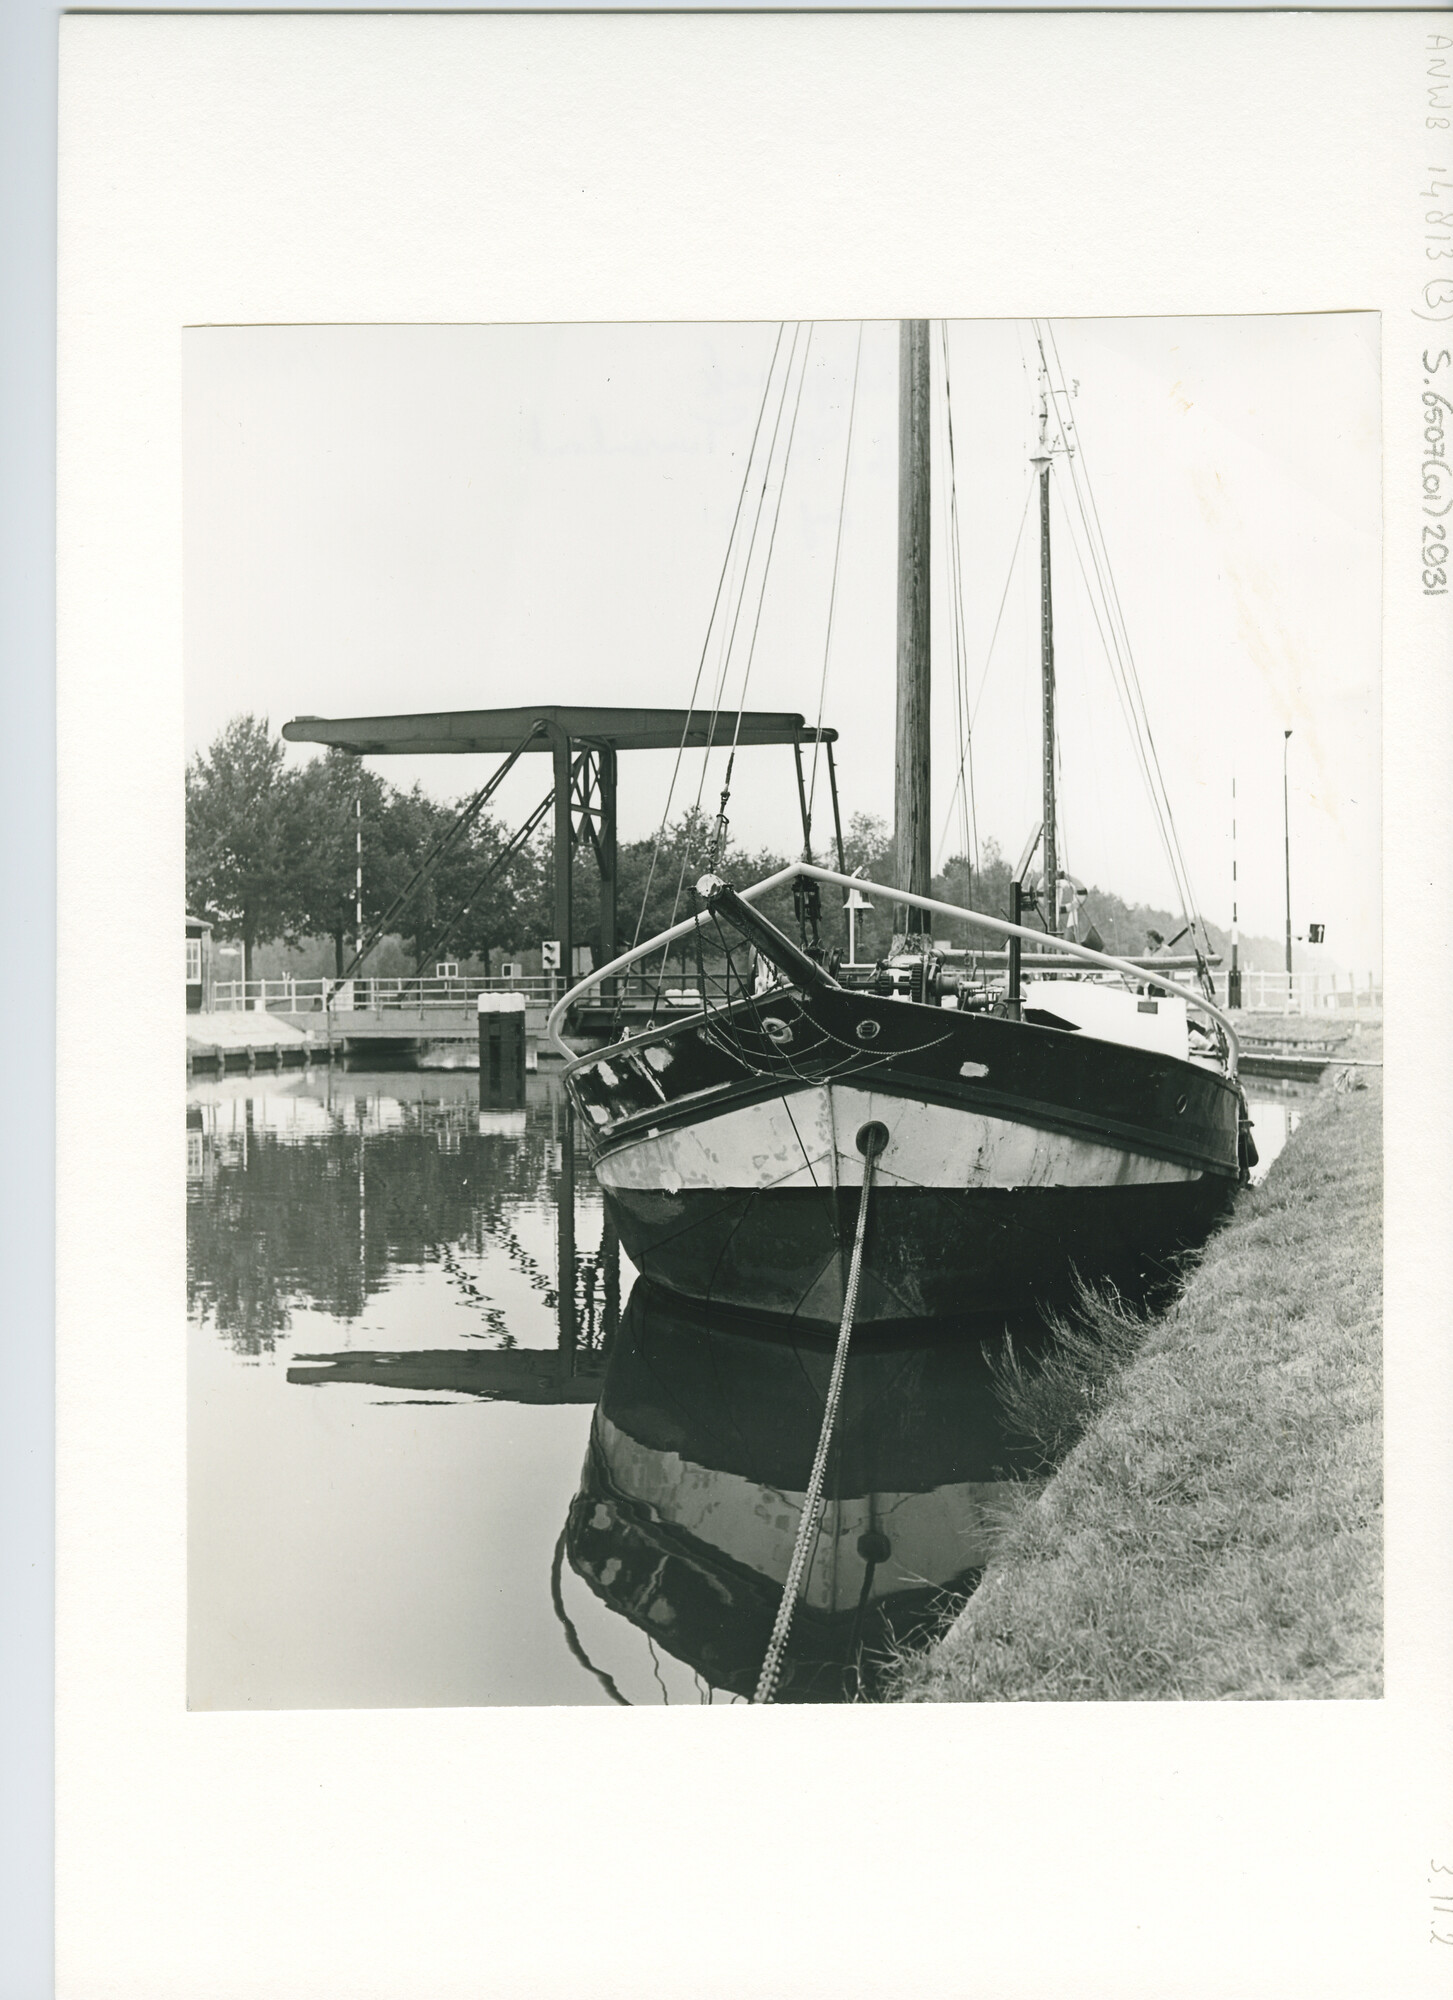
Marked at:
<point>242,850</point>
<point>510,902</point>
<point>484,893</point>
<point>328,796</point>
<point>654,880</point>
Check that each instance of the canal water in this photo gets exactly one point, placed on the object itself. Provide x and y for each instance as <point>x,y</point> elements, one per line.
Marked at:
<point>401,1490</point>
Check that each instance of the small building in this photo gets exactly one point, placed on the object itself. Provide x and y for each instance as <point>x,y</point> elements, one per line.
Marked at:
<point>199,965</point>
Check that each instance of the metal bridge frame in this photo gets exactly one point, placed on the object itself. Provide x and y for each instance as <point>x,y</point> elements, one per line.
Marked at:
<point>584,745</point>
<point>585,810</point>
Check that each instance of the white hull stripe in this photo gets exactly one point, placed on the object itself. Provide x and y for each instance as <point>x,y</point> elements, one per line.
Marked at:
<point>934,1536</point>
<point>809,1140</point>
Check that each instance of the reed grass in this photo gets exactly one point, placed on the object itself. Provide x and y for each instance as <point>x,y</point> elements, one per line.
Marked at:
<point>1213,1529</point>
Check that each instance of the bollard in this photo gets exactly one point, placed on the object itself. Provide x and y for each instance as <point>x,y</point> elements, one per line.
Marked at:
<point>501,1048</point>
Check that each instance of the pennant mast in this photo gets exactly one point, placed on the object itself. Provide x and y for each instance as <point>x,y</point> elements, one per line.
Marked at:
<point>1050,899</point>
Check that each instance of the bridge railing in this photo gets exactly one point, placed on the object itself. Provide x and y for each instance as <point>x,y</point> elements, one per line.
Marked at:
<point>1354,995</point>
<point>383,996</point>
<point>310,996</point>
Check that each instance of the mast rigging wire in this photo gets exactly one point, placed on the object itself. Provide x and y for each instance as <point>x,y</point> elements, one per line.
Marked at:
<point>958,800</point>
<point>719,689</point>
<point>1184,874</point>
<point>956,601</point>
<point>506,854</point>
<point>832,595</point>
<point>1115,617</point>
<point>766,574</point>
<point>435,853</point>
<point>706,640</point>
<point>993,639</point>
<point>1123,696</point>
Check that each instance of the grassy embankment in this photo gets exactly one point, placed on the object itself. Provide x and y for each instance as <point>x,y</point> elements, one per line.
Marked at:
<point>1214,1530</point>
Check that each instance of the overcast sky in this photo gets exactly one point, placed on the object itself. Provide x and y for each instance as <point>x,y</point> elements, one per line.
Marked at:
<point>382,519</point>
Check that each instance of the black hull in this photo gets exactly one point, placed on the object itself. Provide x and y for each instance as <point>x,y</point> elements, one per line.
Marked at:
<point>1017,1156</point>
<point>929,1253</point>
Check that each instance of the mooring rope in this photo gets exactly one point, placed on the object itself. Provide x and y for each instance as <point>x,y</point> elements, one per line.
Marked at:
<point>871,1141</point>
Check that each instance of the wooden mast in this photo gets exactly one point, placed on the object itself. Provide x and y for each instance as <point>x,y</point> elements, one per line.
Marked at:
<point>911,790</point>
<point>1050,899</point>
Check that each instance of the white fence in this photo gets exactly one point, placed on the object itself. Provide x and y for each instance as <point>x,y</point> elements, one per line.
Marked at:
<point>1349,994</point>
<point>1352,994</point>
<point>383,996</point>
<point>309,996</point>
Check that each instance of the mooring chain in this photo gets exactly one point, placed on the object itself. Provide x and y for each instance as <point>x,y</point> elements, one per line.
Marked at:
<point>871,1141</point>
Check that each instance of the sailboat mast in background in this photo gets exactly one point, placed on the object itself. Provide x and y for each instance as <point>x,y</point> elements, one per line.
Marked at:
<point>1050,899</point>
<point>911,786</point>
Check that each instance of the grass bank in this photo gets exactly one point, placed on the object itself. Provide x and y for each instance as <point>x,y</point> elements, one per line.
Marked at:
<point>1216,1530</point>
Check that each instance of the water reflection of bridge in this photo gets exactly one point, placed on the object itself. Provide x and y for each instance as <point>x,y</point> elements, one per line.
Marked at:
<point>315,1194</point>
<point>587,1313</point>
<point>510,1375</point>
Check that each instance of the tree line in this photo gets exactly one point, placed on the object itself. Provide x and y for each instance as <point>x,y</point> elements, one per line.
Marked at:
<point>271,856</point>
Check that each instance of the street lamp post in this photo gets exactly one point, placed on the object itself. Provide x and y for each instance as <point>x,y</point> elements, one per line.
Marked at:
<point>1287,844</point>
<point>1233,982</point>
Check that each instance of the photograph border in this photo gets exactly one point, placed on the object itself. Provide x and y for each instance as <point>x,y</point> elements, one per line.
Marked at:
<point>362,168</point>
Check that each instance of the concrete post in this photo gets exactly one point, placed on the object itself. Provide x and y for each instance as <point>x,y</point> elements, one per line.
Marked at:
<point>501,1049</point>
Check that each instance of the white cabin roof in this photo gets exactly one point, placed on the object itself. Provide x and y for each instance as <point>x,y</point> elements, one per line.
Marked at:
<point>1111,1013</point>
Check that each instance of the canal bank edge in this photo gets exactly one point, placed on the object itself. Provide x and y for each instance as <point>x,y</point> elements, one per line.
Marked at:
<point>1217,1532</point>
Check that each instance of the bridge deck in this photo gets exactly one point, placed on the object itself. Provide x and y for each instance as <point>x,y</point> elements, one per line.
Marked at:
<point>350,1026</point>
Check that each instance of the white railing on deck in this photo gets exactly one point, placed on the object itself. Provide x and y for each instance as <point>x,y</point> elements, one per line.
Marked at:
<point>1079,954</point>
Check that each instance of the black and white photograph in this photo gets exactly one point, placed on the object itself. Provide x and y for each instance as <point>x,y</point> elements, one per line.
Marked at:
<point>784,1003</point>
<point>788,674</point>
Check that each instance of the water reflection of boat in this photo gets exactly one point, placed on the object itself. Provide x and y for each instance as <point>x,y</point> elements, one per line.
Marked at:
<point>694,1479</point>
